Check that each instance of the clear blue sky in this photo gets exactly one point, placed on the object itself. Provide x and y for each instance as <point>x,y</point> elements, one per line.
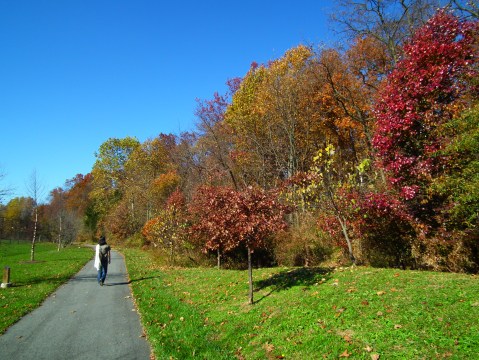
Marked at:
<point>74,73</point>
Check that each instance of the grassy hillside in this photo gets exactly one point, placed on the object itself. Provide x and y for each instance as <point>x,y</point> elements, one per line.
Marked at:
<point>33,282</point>
<point>355,313</point>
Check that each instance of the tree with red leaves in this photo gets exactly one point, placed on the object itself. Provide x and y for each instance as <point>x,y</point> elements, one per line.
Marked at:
<point>427,89</point>
<point>226,218</point>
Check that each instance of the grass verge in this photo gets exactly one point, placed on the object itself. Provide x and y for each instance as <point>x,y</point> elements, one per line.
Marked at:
<point>355,313</point>
<point>34,281</point>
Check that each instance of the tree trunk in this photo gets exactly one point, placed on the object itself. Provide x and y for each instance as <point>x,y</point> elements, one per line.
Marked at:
<point>250,277</point>
<point>60,235</point>
<point>218,258</point>
<point>32,253</point>
<point>307,256</point>
<point>342,222</point>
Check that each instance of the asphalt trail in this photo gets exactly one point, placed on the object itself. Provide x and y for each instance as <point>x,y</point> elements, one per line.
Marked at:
<point>81,320</point>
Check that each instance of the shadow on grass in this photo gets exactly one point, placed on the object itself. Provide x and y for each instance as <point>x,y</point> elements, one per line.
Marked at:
<point>38,280</point>
<point>289,278</point>
<point>130,281</point>
<point>87,277</point>
<point>145,278</point>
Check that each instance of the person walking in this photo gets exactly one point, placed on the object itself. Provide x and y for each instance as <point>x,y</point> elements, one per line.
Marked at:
<point>102,259</point>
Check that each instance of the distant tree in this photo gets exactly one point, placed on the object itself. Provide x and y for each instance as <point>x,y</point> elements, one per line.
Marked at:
<point>109,173</point>
<point>226,218</point>
<point>18,217</point>
<point>64,223</point>
<point>57,213</point>
<point>77,190</point>
<point>147,163</point>
<point>80,207</point>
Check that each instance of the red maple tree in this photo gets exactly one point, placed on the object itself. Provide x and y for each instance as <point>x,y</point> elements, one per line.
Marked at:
<point>423,92</point>
<point>225,219</point>
<point>429,87</point>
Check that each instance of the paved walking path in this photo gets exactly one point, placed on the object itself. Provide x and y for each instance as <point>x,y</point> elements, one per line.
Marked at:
<point>81,320</point>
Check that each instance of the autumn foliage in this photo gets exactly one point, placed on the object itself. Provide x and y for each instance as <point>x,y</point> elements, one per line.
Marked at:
<point>226,219</point>
<point>369,150</point>
<point>426,89</point>
<point>429,87</point>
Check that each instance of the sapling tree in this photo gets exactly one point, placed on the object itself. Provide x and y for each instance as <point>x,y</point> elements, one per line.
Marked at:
<point>35,189</point>
<point>167,230</point>
<point>226,218</point>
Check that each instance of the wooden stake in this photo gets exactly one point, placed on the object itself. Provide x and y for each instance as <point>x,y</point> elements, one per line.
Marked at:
<point>6,277</point>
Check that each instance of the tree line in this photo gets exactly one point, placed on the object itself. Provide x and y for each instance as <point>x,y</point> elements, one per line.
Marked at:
<point>363,153</point>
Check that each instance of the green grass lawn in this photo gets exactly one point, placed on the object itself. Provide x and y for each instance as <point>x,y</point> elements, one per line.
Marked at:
<point>355,313</point>
<point>33,282</point>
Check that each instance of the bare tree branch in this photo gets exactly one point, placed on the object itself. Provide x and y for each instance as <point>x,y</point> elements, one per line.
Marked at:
<point>4,191</point>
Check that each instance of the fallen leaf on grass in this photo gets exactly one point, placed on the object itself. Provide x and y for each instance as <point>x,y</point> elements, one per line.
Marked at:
<point>339,311</point>
<point>268,347</point>
<point>347,338</point>
<point>238,354</point>
<point>345,354</point>
<point>380,293</point>
<point>368,348</point>
<point>375,356</point>
<point>321,324</point>
<point>397,326</point>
